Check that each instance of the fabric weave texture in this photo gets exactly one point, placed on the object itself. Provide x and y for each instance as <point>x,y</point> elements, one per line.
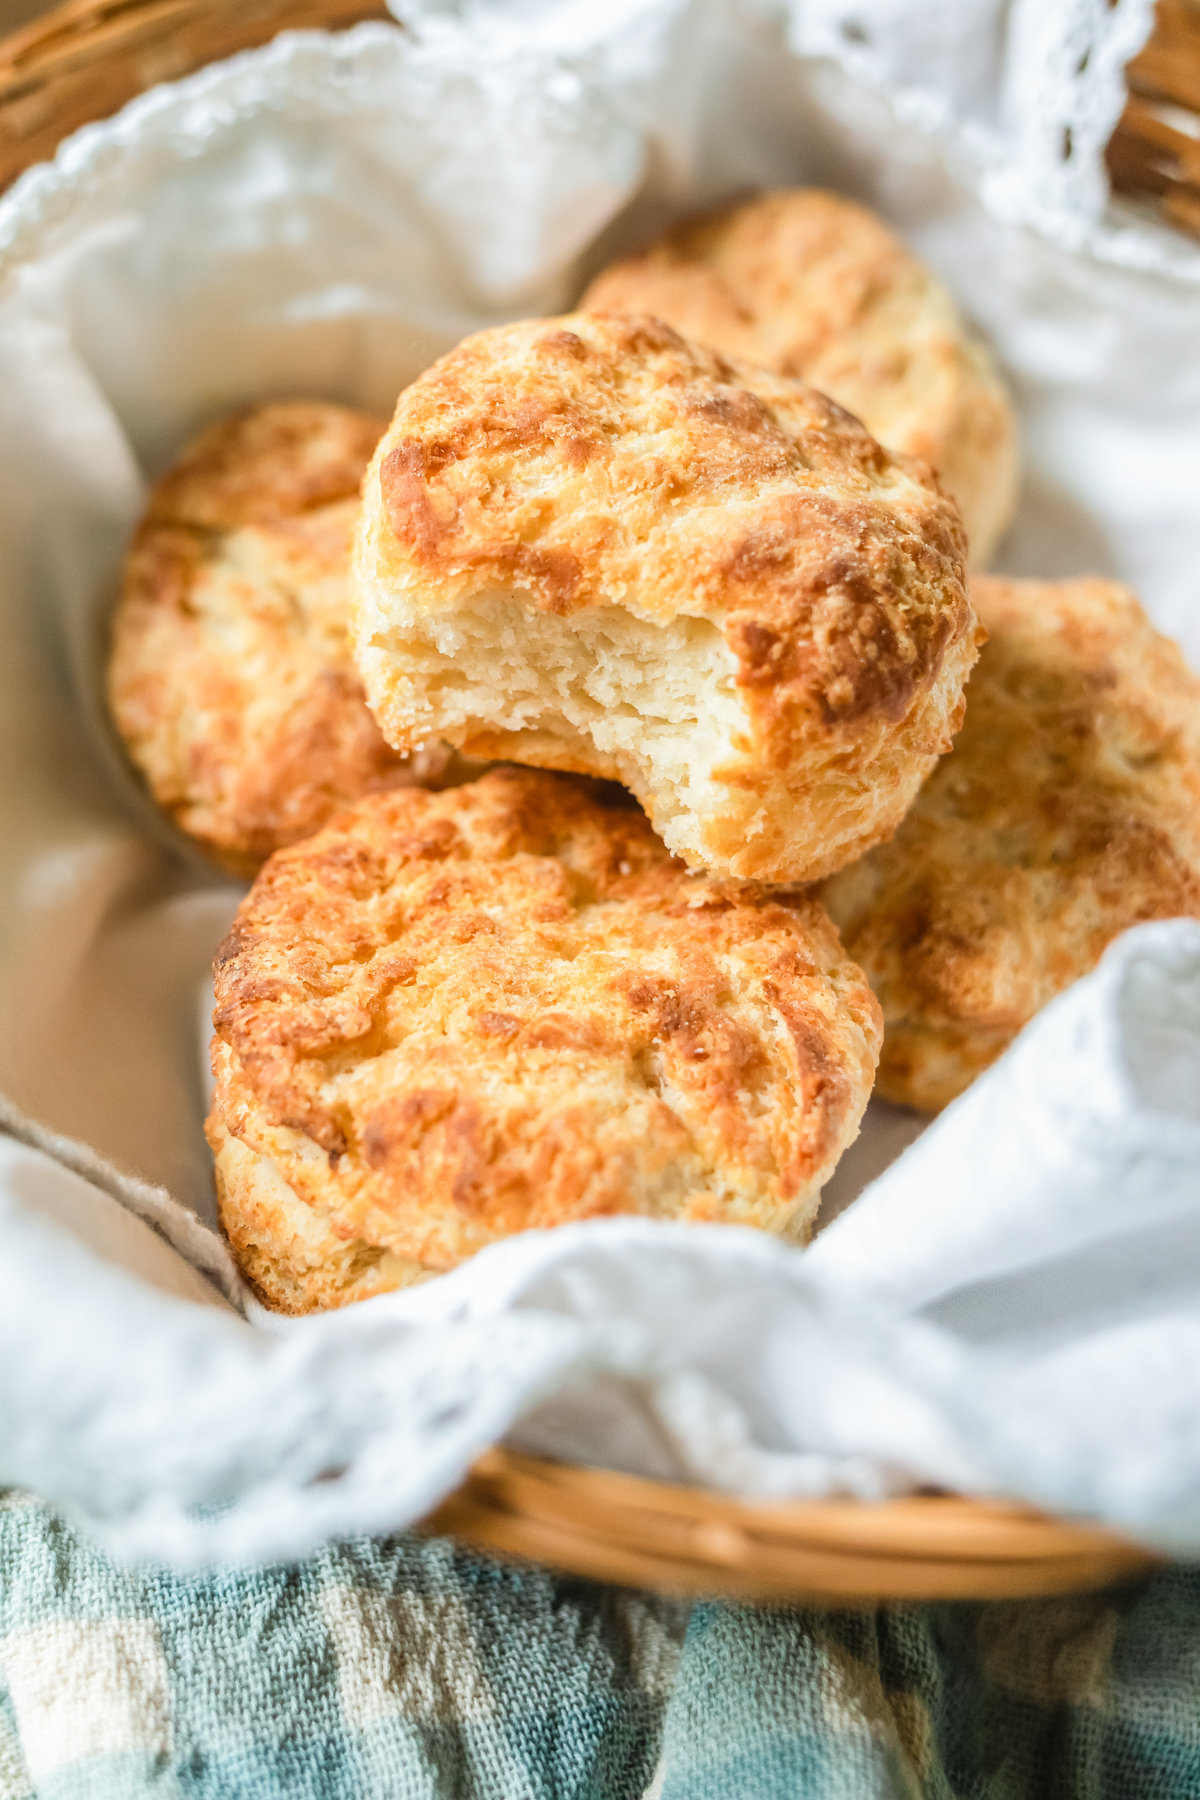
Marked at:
<point>407,1669</point>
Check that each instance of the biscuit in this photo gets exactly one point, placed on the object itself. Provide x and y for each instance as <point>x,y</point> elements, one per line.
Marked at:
<point>813,286</point>
<point>230,677</point>
<point>588,545</point>
<point>1068,810</point>
<point>453,1016</point>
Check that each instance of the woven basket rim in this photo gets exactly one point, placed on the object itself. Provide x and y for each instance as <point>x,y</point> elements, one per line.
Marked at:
<point>630,1530</point>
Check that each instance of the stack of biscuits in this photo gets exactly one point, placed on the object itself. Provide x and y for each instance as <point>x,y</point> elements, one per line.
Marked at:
<point>566,722</point>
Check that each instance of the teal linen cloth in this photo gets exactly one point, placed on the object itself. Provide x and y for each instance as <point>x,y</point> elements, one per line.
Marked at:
<point>404,1669</point>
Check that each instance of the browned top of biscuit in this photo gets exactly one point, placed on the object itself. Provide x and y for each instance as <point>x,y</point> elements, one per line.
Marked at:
<point>1068,811</point>
<point>814,286</point>
<point>273,464</point>
<point>602,461</point>
<point>230,679</point>
<point>451,1016</point>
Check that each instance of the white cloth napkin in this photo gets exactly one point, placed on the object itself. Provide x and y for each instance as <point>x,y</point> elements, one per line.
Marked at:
<point>1011,1307</point>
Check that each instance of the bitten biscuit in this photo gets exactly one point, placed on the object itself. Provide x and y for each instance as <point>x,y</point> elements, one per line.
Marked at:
<point>588,545</point>
<point>1068,810</point>
<point>813,286</point>
<point>449,1017</point>
<point>230,678</point>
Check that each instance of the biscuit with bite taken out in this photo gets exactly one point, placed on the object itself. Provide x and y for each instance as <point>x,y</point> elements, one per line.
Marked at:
<point>591,546</point>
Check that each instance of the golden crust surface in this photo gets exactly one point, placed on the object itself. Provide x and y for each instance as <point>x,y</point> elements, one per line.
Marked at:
<point>815,286</point>
<point>230,677</point>
<point>449,1017</point>
<point>1068,810</point>
<point>766,611</point>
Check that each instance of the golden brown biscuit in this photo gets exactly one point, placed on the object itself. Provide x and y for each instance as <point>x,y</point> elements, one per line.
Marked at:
<point>230,679</point>
<point>813,286</point>
<point>588,545</point>
<point>449,1017</point>
<point>1068,810</point>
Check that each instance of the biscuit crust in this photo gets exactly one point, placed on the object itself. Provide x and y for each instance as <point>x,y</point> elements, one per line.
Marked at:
<point>815,286</point>
<point>589,545</point>
<point>453,1016</point>
<point>1068,810</point>
<point>230,677</point>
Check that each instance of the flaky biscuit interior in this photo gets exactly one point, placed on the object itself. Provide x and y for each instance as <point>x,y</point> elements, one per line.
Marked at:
<point>1068,811</point>
<point>588,545</point>
<point>449,1017</point>
<point>812,285</point>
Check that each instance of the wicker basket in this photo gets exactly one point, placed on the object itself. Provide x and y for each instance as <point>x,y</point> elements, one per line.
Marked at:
<point>1155,150</point>
<point>81,62</point>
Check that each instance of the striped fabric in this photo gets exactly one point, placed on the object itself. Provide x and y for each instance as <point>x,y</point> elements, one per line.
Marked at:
<point>403,1669</point>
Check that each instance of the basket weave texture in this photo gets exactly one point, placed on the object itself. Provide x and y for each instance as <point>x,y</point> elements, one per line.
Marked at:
<point>82,62</point>
<point>842,1552</point>
<point>1155,150</point>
